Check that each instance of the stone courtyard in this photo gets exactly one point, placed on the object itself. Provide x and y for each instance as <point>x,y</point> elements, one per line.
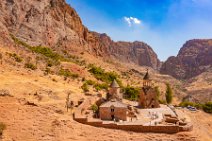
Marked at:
<point>144,115</point>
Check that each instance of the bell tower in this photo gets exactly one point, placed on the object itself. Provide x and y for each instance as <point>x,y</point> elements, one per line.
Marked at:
<point>146,80</point>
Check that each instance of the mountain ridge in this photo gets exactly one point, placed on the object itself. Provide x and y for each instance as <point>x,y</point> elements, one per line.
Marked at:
<point>59,26</point>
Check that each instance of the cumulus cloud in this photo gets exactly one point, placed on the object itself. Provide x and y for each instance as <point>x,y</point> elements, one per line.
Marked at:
<point>132,20</point>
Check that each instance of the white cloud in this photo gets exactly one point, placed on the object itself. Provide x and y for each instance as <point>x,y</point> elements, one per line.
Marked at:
<point>132,20</point>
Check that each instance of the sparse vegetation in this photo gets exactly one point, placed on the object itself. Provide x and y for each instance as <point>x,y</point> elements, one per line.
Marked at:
<point>2,128</point>
<point>67,73</point>
<point>47,71</point>
<point>47,52</point>
<point>85,87</point>
<point>207,107</point>
<point>169,94</point>
<point>90,82</point>
<point>106,77</point>
<point>102,86</point>
<point>131,93</point>
<point>16,57</point>
<point>30,66</point>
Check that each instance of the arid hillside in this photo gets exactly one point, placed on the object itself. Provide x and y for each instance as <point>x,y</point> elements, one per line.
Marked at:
<point>46,53</point>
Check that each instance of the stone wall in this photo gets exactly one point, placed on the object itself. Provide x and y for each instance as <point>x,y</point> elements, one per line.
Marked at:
<point>137,128</point>
<point>119,113</point>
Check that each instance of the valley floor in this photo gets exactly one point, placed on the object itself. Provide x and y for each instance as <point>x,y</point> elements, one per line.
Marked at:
<point>49,121</point>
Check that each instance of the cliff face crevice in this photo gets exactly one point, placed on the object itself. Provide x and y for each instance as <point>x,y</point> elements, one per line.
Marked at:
<point>55,24</point>
<point>193,58</point>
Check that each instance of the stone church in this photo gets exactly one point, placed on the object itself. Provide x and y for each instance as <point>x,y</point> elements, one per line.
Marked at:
<point>113,108</point>
<point>148,94</point>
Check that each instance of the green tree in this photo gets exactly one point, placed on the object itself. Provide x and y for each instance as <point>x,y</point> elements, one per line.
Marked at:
<point>157,92</point>
<point>169,93</point>
<point>94,108</point>
<point>131,93</point>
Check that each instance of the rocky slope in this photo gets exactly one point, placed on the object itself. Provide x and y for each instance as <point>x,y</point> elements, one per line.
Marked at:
<point>193,58</point>
<point>55,24</point>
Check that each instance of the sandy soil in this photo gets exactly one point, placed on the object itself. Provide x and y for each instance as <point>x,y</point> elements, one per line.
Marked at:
<point>49,121</point>
<point>32,123</point>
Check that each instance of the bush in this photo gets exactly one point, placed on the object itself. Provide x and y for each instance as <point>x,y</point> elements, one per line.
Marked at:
<point>2,128</point>
<point>85,87</point>
<point>131,93</point>
<point>67,73</point>
<point>94,108</point>
<point>30,66</point>
<point>162,101</point>
<point>187,103</point>
<point>47,52</point>
<point>90,82</point>
<point>47,71</point>
<point>106,77</point>
<point>207,107</point>
<point>16,57</point>
<point>102,86</point>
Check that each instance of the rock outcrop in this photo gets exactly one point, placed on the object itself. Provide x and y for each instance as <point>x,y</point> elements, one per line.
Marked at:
<point>55,24</point>
<point>193,58</point>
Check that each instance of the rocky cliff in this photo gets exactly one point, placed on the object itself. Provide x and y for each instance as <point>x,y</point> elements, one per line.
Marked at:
<point>55,24</point>
<point>193,58</point>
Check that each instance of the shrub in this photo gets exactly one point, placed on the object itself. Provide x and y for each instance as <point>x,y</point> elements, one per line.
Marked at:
<point>94,108</point>
<point>106,77</point>
<point>162,101</point>
<point>187,103</point>
<point>90,82</point>
<point>67,73</point>
<point>2,128</point>
<point>16,57</point>
<point>131,93</point>
<point>30,66</point>
<point>46,52</point>
<point>102,86</point>
<point>85,87</point>
<point>169,95</point>
<point>207,107</point>
<point>47,71</point>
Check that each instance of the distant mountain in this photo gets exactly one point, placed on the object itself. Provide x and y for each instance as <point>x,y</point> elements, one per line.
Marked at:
<point>193,58</point>
<point>53,23</point>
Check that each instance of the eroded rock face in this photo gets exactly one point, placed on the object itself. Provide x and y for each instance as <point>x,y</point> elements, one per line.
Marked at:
<point>193,58</point>
<point>55,24</point>
<point>136,52</point>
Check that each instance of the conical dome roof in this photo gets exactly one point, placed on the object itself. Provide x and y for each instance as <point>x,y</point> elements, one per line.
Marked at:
<point>146,76</point>
<point>114,84</point>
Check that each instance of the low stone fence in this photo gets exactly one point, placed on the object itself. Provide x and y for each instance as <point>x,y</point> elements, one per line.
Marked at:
<point>136,128</point>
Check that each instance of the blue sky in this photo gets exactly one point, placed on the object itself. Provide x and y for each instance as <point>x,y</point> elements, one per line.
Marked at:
<point>163,24</point>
